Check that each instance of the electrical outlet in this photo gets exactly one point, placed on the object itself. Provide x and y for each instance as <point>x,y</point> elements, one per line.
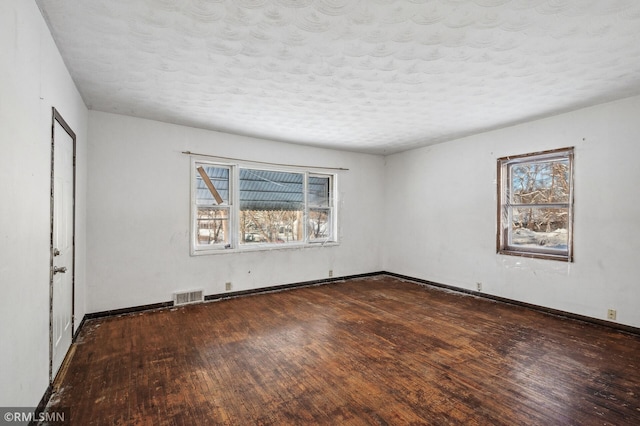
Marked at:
<point>330,273</point>
<point>227,286</point>
<point>611,314</point>
<point>479,286</point>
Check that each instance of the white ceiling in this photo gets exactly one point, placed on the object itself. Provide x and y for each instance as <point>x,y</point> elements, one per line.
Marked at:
<point>377,76</point>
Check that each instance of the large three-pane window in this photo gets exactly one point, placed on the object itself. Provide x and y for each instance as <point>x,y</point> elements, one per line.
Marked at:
<point>536,205</point>
<point>236,207</point>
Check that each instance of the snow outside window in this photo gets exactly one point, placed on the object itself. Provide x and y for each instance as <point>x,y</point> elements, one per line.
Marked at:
<point>536,205</point>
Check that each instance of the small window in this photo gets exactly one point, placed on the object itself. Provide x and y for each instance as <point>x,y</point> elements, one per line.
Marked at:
<point>535,193</point>
<point>235,207</point>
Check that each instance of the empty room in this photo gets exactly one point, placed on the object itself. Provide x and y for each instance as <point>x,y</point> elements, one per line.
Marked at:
<point>356,212</point>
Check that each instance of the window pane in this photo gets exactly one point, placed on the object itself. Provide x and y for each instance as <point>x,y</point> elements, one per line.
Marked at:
<point>218,178</point>
<point>540,182</point>
<point>271,206</point>
<point>270,226</point>
<point>543,228</point>
<point>319,191</point>
<point>319,224</point>
<point>213,226</point>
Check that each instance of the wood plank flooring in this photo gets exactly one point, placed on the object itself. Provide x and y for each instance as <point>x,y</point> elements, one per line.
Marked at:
<point>374,351</point>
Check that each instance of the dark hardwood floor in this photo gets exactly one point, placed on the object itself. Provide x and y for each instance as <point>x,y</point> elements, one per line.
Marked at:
<point>367,351</point>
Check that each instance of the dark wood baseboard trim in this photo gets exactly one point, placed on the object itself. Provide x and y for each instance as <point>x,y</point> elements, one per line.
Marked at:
<point>220,296</point>
<point>131,310</point>
<point>207,298</point>
<point>75,335</point>
<point>287,286</point>
<point>49,392</point>
<point>42,404</point>
<point>550,311</point>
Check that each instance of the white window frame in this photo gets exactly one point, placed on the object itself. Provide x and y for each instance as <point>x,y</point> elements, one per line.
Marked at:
<point>506,205</point>
<point>234,245</point>
<point>330,207</point>
<point>195,246</point>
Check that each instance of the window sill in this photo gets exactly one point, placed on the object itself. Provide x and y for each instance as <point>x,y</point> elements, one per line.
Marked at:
<point>532,255</point>
<point>262,248</point>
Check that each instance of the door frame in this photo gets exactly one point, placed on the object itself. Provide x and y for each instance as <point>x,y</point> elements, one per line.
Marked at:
<point>57,118</point>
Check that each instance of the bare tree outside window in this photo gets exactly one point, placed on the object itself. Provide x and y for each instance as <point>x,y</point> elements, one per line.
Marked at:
<point>320,207</point>
<point>535,193</point>
<point>212,226</point>
<point>271,206</point>
<point>270,226</point>
<point>212,205</point>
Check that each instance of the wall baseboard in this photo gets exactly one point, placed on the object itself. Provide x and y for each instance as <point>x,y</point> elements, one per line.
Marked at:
<point>42,404</point>
<point>75,335</point>
<point>544,309</point>
<point>219,296</point>
<point>124,311</point>
<point>229,295</point>
<point>283,287</point>
<point>222,296</point>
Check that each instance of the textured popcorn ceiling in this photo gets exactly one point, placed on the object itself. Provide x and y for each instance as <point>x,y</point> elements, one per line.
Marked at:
<point>376,76</point>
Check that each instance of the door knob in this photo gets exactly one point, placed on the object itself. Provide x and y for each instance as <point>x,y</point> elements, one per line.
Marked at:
<point>61,270</point>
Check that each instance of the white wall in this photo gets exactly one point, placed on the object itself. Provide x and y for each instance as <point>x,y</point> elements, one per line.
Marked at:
<point>138,217</point>
<point>441,214</point>
<point>33,78</point>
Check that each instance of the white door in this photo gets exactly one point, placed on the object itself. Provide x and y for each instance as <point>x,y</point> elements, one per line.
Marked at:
<point>62,242</point>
